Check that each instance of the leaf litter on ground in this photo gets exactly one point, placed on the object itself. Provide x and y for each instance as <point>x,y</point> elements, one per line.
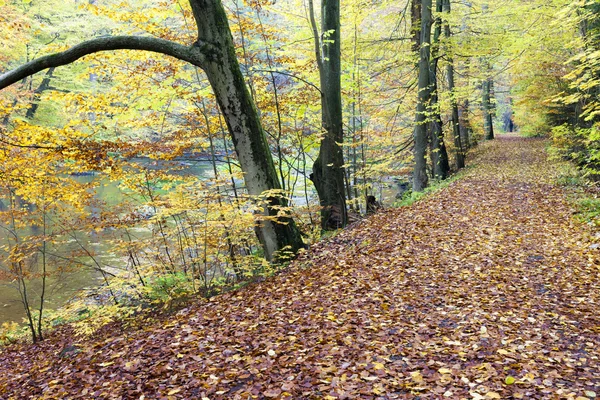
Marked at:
<point>485,290</point>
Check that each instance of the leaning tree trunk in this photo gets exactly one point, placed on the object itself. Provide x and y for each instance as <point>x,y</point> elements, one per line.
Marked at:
<point>241,116</point>
<point>328,169</point>
<point>455,120</point>
<point>420,133</point>
<point>488,109</point>
<point>439,155</point>
<point>213,52</point>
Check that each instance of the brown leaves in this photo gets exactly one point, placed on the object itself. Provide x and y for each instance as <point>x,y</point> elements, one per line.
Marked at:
<point>480,292</point>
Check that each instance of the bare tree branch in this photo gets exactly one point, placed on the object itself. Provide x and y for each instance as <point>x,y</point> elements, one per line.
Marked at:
<point>195,54</point>
<point>290,75</point>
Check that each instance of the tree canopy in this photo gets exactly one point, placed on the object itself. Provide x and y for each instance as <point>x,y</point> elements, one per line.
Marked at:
<point>192,147</point>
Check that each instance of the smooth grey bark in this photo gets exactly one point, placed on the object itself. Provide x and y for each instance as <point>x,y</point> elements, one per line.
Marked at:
<point>439,155</point>
<point>214,53</point>
<point>486,101</point>
<point>328,169</point>
<point>465,125</point>
<point>241,117</point>
<point>488,108</point>
<point>420,178</point>
<point>415,28</point>
<point>455,120</point>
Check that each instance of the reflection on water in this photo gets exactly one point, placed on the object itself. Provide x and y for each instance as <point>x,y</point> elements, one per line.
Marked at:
<point>62,286</point>
<point>61,289</point>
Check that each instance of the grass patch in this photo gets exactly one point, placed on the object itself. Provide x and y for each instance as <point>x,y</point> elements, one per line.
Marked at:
<point>582,194</point>
<point>589,210</point>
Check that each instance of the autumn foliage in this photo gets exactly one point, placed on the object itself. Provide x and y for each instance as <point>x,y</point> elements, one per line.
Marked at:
<point>501,307</point>
<point>138,250</point>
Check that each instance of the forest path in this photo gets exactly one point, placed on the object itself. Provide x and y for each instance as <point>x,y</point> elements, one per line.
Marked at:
<point>485,290</point>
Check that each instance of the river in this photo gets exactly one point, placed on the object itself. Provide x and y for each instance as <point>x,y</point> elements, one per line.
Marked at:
<point>63,287</point>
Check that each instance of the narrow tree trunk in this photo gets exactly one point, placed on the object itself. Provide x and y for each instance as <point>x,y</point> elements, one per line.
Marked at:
<point>328,172</point>
<point>241,117</point>
<point>44,276</point>
<point>488,109</point>
<point>455,120</point>
<point>355,116</point>
<point>25,300</point>
<point>420,179</point>
<point>415,22</point>
<point>439,155</point>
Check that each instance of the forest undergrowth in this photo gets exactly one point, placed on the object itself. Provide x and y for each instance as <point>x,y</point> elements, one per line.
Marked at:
<point>487,289</point>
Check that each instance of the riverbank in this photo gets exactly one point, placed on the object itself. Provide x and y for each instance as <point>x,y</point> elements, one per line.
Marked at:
<point>486,289</point>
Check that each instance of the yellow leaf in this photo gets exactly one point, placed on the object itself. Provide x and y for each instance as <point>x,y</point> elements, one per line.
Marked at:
<point>529,376</point>
<point>173,391</point>
<point>378,390</point>
<point>492,395</point>
<point>378,366</point>
<point>416,376</point>
<point>509,380</point>
<point>444,371</point>
<point>106,364</point>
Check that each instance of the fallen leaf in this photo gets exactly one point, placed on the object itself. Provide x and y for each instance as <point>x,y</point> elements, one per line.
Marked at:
<point>274,392</point>
<point>416,376</point>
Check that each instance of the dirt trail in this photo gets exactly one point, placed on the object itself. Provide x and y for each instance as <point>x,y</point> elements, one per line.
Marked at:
<point>485,290</point>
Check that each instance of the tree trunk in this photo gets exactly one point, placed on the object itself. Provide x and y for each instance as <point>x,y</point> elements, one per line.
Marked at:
<point>415,22</point>
<point>455,120</point>
<point>420,179</point>
<point>241,117</point>
<point>439,155</point>
<point>214,52</point>
<point>465,130</point>
<point>488,109</point>
<point>328,169</point>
